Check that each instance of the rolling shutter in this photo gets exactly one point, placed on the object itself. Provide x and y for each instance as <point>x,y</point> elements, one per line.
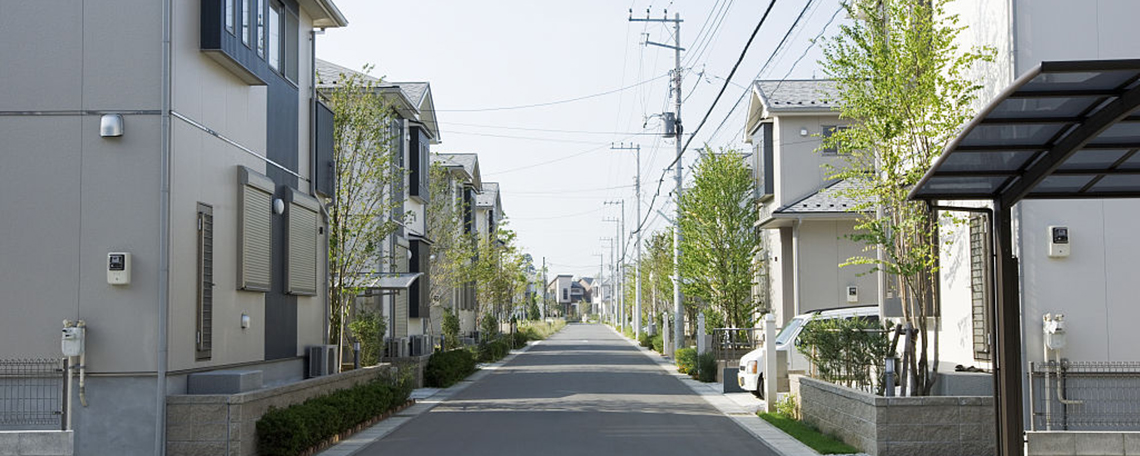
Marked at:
<point>255,207</point>
<point>302,238</point>
<point>980,296</point>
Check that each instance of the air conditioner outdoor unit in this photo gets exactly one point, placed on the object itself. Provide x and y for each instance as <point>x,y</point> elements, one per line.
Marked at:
<point>321,359</point>
<point>397,348</point>
<point>420,345</point>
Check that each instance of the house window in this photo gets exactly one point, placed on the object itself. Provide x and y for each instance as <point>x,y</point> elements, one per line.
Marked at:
<point>418,160</point>
<point>229,12</point>
<point>981,298</point>
<point>829,131</point>
<point>261,31</point>
<point>290,53</point>
<point>245,11</point>
<point>274,36</point>
<point>204,335</point>
<point>255,208</point>
<point>762,166</point>
<point>301,256</point>
<point>565,294</point>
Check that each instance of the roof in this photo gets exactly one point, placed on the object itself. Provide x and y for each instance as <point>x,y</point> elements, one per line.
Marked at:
<point>830,199</point>
<point>470,164</point>
<point>490,195</point>
<point>1065,129</point>
<point>412,100</point>
<point>796,95</point>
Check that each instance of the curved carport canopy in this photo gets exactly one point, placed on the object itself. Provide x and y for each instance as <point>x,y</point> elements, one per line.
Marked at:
<point>1063,130</point>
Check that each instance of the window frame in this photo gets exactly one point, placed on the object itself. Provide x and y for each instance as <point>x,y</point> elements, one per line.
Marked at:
<point>246,32</point>
<point>980,270</point>
<point>302,252</point>
<point>826,132</point>
<point>251,181</point>
<point>204,316</point>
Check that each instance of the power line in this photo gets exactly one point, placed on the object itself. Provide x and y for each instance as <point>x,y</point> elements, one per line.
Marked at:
<point>552,130</point>
<point>551,103</point>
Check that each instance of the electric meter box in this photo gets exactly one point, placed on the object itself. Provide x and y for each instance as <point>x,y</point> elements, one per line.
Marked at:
<point>1058,241</point>
<point>119,268</point>
<point>72,341</point>
<point>852,294</point>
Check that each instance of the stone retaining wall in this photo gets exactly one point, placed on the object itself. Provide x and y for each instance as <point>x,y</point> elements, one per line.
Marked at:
<point>38,443</point>
<point>225,424</point>
<point>1065,443</point>
<point>900,426</point>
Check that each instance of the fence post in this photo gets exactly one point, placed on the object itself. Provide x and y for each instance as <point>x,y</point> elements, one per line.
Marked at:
<point>771,382</point>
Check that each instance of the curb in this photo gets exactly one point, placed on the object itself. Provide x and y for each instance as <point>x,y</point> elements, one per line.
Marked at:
<point>770,436</point>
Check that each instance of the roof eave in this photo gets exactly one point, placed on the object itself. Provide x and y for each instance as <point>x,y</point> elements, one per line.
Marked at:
<point>325,14</point>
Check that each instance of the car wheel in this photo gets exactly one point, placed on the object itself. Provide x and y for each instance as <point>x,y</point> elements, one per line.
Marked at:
<point>759,388</point>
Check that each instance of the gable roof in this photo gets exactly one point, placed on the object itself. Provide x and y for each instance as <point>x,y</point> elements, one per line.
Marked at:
<point>489,197</point>
<point>797,95</point>
<point>470,164</point>
<point>324,13</point>
<point>411,100</point>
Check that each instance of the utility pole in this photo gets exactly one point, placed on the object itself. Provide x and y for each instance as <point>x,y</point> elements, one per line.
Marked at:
<point>637,219</point>
<point>621,262</point>
<point>678,315</point>
<point>597,282</point>
<point>544,296</point>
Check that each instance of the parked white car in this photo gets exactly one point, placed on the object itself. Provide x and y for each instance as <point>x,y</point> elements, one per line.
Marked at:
<point>751,373</point>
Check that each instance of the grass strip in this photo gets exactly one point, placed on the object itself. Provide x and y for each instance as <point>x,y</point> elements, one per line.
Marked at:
<point>808,435</point>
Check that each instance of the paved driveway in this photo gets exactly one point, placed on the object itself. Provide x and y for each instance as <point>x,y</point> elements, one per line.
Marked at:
<point>584,391</point>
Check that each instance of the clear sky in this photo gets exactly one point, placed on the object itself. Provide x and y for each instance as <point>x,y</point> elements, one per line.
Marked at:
<point>484,59</point>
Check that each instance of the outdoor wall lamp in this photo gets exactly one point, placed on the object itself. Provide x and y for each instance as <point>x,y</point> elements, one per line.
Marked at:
<point>803,131</point>
<point>111,126</point>
<point>278,206</point>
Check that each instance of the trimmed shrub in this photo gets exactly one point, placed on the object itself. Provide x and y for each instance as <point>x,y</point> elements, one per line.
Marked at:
<point>445,368</point>
<point>519,339</point>
<point>706,367</point>
<point>686,359</point>
<point>658,343</point>
<point>290,431</point>
<point>644,340</point>
<point>494,349</point>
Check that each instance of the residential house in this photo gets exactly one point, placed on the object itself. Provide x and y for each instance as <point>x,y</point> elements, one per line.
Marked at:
<point>559,287</point>
<point>804,217</point>
<point>1092,286</point>
<point>467,184</point>
<point>402,296</point>
<point>168,192</point>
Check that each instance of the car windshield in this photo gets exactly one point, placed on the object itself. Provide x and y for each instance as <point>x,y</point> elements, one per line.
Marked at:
<point>788,331</point>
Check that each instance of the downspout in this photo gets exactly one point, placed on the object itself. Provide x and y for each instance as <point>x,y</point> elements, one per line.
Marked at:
<point>313,170</point>
<point>163,234</point>
<point>796,266</point>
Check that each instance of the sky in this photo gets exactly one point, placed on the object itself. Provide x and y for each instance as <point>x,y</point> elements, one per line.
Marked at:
<point>542,89</point>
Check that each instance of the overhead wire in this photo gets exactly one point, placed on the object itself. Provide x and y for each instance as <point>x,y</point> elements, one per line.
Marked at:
<point>557,102</point>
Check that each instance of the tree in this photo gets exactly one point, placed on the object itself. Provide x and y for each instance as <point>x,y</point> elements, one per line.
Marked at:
<point>902,79</point>
<point>498,271</point>
<point>718,236</point>
<point>452,250</point>
<point>360,213</point>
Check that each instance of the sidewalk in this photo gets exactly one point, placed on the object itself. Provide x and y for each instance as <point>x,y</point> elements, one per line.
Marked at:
<point>426,399</point>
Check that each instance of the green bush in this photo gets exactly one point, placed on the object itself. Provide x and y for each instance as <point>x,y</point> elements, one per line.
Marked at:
<point>450,327</point>
<point>445,368</point>
<point>706,367</point>
<point>294,429</point>
<point>644,340</point>
<point>494,349</point>
<point>367,329</point>
<point>519,339</point>
<point>658,343</point>
<point>847,351</point>
<point>686,359</point>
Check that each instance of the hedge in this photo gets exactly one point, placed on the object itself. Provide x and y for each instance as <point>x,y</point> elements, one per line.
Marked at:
<point>686,360</point>
<point>445,368</point>
<point>494,349</point>
<point>706,367</point>
<point>290,431</point>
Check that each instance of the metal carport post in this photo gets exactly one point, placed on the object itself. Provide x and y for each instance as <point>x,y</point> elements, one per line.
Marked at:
<point>1063,130</point>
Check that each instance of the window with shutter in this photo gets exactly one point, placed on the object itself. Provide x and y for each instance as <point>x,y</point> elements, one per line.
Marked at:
<point>204,334</point>
<point>255,208</point>
<point>980,296</point>
<point>301,256</point>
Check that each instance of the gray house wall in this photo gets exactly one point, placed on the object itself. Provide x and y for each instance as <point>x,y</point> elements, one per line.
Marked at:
<point>72,196</point>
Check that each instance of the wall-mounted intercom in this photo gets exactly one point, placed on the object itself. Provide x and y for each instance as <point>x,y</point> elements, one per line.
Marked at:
<point>1058,241</point>
<point>119,268</point>
<point>852,294</point>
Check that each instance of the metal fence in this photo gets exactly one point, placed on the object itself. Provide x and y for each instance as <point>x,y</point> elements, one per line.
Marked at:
<point>729,344</point>
<point>1085,396</point>
<point>32,393</point>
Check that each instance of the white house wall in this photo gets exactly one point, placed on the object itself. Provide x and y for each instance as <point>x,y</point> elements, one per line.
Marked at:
<point>799,169</point>
<point>823,246</point>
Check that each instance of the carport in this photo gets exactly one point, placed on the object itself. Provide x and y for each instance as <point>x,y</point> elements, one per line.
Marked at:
<point>1064,130</point>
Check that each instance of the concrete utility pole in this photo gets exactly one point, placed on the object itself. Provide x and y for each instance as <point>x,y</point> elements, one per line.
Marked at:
<point>544,287</point>
<point>612,267</point>
<point>637,219</point>
<point>678,314</point>
<point>621,261</point>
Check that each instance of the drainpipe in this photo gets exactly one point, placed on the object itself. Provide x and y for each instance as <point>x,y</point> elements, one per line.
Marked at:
<point>313,168</point>
<point>163,235</point>
<point>796,266</point>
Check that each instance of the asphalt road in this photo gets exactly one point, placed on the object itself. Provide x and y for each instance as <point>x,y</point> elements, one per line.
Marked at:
<point>584,391</point>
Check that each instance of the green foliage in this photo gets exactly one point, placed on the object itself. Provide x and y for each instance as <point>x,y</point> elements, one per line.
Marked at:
<point>713,319</point>
<point>359,219</point>
<point>539,330</point>
<point>809,435</point>
<point>644,340</point>
<point>901,77</point>
<point>367,329</point>
<point>489,327</point>
<point>719,237</point>
<point>292,430</point>
<point>788,407</point>
<point>532,312</point>
<point>686,359</point>
<point>706,367</point>
<point>450,328</point>
<point>846,351</point>
<point>657,342</point>
<point>491,350</point>
<point>445,368</point>
<point>519,339</point>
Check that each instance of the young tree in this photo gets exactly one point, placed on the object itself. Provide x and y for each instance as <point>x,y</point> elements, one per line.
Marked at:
<point>903,80</point>
<point>451,248</point>
<point>360,213</point>
<point>498,272</point>
<point>718,236</point>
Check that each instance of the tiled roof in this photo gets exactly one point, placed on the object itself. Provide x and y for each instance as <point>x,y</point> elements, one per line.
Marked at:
<point>328,74</point>
<point>830,199</point>
<point>489,196</point>
<point>414,91</point>
<point>797,95</point>
<point>467,161</point>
